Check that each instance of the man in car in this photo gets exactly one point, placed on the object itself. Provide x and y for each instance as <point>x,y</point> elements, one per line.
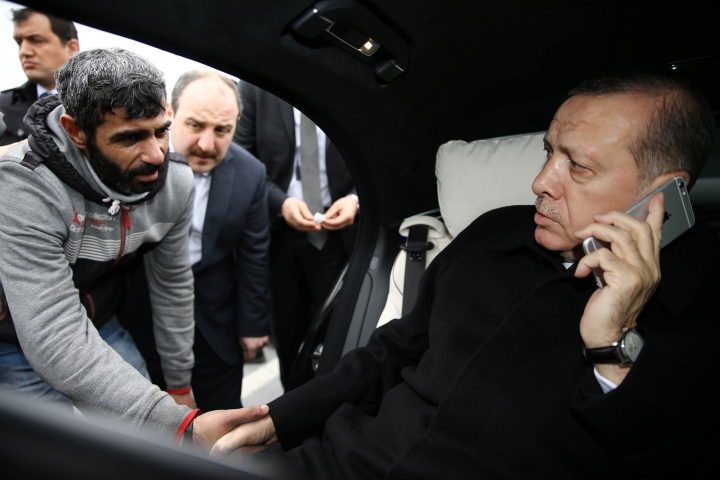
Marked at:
<point>486,377</point>
<point>93,190</point>
<point>44,43</point>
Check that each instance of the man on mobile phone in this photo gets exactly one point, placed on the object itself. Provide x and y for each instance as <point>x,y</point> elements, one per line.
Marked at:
<point>486,377</point>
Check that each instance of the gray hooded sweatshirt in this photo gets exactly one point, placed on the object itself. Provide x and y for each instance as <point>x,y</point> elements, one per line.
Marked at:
<point>62,260</point>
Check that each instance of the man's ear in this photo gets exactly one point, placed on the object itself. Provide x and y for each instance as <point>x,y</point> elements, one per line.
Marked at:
<point>74,132</point>
<point>169,110</point>
<point>73,46</point>
<point>661,179</point>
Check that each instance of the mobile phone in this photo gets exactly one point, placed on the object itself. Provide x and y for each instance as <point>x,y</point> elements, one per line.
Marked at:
<point>679,217</point>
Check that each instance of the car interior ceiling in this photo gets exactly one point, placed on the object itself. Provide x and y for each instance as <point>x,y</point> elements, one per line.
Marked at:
<point>476,70</point>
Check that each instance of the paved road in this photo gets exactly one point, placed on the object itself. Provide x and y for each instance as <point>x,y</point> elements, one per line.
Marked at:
<point>261,381</point>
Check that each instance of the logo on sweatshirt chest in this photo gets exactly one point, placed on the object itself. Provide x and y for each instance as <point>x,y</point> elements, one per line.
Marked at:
<point>77,222</point>
<point>99,221</point>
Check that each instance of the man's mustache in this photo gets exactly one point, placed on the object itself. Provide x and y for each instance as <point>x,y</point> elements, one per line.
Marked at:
<point>198,152</point>
<point>144,169</point>
<point>544,206</point>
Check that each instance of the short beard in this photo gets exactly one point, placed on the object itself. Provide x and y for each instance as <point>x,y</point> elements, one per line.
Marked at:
<point>545,207</point>
<point>117,179</point>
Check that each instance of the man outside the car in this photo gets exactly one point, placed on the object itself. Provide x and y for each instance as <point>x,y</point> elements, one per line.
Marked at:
<point>306,176</point>
<point>229,236</point>
<point>93,191</point>
<point>44,43</point>
<point>228,242</point>
<point>485,378</point>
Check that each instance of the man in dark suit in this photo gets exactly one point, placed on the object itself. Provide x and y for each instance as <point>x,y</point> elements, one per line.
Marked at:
<point>513,363</point>
<point>229,237</point>
<point>307,178</point>
<point>44,43</point>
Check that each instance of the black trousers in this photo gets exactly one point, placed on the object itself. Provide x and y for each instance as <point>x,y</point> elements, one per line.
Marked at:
<point>216,385</point>
<point>301,278</point>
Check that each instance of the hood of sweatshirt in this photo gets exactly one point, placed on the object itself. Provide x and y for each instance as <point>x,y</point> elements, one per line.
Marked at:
<point>50,145</point>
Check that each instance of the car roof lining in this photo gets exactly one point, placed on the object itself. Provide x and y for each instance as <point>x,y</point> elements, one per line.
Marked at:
<point>477,70</point>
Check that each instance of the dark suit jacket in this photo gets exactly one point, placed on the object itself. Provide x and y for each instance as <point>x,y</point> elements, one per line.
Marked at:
<point>267,130</point>
<point>14,103</point>
<point>484,378</point>
<point>232,280</point>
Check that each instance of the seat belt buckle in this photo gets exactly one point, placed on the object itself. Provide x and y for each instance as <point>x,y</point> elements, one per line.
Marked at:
<point>416,250</point>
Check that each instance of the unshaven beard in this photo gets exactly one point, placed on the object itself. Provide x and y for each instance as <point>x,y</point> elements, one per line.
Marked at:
<point>116,178</point>
<point>544,206</point>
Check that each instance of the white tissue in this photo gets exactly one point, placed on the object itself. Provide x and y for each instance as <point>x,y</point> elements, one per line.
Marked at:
<point>319,218</point>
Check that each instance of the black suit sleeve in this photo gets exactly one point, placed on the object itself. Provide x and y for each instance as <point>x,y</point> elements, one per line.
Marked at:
<point>365,375</point>
<point>246,136</point>
<point>656,420</point>
<point>245,131</point>
<point>252,268</point>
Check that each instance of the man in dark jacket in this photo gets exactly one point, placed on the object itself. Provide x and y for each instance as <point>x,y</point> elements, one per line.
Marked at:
<point>486,377</point>
<point>44,43</point>
<point>306,176</point>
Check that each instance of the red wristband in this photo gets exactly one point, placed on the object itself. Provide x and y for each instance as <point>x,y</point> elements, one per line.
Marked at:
<point>178,391</point>
<point>185,423</point>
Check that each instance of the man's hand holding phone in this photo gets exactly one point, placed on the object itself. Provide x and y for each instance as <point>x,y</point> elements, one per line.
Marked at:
<point>631,269</point>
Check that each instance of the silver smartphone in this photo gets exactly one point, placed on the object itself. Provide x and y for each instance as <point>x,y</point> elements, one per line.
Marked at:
<point>679,217</point>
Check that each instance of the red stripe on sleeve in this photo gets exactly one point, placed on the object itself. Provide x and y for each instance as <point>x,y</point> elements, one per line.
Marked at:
<point>178,391</point>
<point>184,425</point>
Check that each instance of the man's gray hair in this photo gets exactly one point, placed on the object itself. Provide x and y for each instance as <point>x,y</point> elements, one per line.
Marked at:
<point>679,135</point>
<point>190,76</point>
<point>95,82</point>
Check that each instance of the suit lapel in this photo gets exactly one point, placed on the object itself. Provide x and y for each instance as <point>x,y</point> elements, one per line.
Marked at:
<point>221,187</point>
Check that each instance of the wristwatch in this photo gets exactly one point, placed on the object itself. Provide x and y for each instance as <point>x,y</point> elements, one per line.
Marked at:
<point>623,352</point>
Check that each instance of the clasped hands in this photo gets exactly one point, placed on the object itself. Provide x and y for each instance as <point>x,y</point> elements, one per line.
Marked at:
<point>245,429</point>
<point>341,214</point>
<point>631,270</point>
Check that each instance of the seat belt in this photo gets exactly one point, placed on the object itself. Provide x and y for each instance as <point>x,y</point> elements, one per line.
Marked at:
<point>416,245</point>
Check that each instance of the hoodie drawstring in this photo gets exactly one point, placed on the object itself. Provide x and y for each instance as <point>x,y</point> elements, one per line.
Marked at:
<point>115,207</point>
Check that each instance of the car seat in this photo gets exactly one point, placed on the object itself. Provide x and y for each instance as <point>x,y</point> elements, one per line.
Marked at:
<point>472,178</point>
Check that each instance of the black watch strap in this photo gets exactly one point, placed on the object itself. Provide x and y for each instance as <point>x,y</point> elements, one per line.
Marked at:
<point>609,354</point>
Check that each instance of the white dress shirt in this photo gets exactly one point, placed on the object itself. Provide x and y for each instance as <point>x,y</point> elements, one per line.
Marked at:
<point>41,90</point>
<point>295,187</point>
<point>202,192</point>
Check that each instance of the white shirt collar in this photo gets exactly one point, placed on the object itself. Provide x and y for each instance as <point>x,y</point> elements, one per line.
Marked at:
<point>41,90</point>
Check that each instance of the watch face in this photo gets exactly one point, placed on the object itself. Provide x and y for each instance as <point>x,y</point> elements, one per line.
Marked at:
<point>632,344</point>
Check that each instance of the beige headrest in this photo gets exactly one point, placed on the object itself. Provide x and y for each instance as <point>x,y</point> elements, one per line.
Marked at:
<point>476,177</point>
